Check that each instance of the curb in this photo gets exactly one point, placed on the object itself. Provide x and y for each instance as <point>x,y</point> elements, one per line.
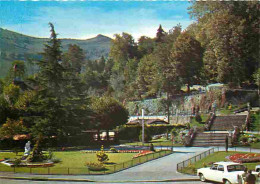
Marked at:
<point>86,180</point>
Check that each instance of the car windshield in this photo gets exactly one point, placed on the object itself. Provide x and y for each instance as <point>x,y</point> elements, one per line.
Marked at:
<point>232,168</point>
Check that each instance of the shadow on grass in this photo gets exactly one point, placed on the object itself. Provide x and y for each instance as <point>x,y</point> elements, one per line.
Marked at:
<point>110,163</point>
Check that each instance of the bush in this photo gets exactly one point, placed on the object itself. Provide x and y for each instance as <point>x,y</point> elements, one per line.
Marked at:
<point>147,135</point>
<point>95,166</point>
<point>55,160</point>
<point>17,162</point>
<point>102,156</point>
<point>113,150</point>
<point>198,118</point>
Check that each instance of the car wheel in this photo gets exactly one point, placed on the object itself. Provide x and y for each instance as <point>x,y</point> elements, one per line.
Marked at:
<point>226,182</point>
<point>202,178</point>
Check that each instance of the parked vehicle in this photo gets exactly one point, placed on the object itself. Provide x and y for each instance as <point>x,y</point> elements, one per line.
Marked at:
<point>257,168</point>
<point>224,172</point>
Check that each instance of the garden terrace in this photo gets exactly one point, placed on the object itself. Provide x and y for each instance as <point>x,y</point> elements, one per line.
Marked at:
<point>223,123</point>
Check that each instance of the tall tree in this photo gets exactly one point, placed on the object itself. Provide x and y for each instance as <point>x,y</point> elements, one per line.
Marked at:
<point>50,90</point>
<point>187,59</point>
<point>109,113</point>
<point>17,71</point>
<point>123,48</point>
<point>145,45</point>
<point>74,57</point>
<point>160,34</point>
<point>228,31</point>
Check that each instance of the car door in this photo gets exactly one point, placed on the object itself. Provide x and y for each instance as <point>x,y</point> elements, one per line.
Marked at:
<point>220,173</point>
<point>211,175</point>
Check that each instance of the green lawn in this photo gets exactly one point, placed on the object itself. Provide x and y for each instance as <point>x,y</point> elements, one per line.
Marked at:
<point>194,123</point>
<point>73,162</point>
<point>215,157</point>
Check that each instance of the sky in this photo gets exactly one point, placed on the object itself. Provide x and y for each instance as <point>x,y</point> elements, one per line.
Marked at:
<point>86,19</point>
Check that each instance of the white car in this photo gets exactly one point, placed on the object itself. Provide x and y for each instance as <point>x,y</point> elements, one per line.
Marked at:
<point>257,168</point>
<point>223,172</point>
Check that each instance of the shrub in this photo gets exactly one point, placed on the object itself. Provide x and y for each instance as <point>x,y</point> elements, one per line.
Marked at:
<point>198,118</point>
<point>55,160</point>
<point>152,147</point>
<point>147,135</point>
<point>101,155</point>
<point>17,162</point>
<point>95,166</point>
<point>113,150</point>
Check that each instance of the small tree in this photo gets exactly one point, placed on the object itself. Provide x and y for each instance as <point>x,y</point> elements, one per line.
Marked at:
<point>102,156</point>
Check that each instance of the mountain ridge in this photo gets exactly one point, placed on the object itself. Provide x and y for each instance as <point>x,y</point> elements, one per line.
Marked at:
<point>17,46</point>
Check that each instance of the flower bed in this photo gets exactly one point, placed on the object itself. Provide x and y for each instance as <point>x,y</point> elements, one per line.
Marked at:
<point>142,153</point>
<point>244,157</point>
<point>119,151</point>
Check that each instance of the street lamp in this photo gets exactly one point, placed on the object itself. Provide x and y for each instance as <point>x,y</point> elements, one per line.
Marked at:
<point>143,127</point>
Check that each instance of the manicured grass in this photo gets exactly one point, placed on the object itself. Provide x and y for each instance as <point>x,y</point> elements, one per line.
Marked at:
<point>73,162</point>
<point>194,123</point>
<point>215,157</point>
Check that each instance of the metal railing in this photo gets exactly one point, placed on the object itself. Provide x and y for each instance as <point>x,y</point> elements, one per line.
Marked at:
<point>196,158</point>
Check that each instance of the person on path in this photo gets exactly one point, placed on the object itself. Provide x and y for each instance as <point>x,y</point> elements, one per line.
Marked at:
<point>226,143</point>
<point>244,175</point>
<point>250,178</point>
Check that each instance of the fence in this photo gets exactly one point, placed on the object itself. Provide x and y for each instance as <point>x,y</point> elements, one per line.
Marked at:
<point>196,158</point>
<point>84,170</point>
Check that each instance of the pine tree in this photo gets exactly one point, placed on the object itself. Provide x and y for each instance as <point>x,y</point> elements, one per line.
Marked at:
<point>160,34</point>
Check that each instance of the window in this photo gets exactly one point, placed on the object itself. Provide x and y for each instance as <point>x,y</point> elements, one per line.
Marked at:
<point>220,168</point>
<point>231,168</point>
<point>214,167</point>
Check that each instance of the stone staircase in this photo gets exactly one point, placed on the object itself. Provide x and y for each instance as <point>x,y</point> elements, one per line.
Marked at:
<point>219,130</point>
<point>227,123</point>
<point>210,139</point>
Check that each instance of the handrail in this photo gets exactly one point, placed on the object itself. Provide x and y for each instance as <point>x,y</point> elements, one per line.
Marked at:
<point>196,158</point>
<point>209,123</point>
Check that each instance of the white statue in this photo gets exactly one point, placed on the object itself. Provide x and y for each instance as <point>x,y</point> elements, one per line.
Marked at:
<point>27,148</point>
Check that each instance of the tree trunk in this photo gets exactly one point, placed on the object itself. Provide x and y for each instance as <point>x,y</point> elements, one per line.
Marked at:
<point>107,134</point>
<point>188,88</point>
<point>98,135</point>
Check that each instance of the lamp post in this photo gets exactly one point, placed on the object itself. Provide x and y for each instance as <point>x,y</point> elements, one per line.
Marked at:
<point>143,127</point>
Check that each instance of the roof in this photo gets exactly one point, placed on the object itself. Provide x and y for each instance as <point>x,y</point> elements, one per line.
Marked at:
<point>147,121</point>
<point>227,163</point>
<point>21,137</point>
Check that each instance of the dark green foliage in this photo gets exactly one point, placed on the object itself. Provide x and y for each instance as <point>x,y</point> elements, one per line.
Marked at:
<point>160,34</point>
<point>228,32</point>
<point>187,60</point>
<point>61,105</point>
<point>198,118</point>
<point>108,113</point>
<point>37,155</point>
<point>152,147</point>
<point>147,135</point>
